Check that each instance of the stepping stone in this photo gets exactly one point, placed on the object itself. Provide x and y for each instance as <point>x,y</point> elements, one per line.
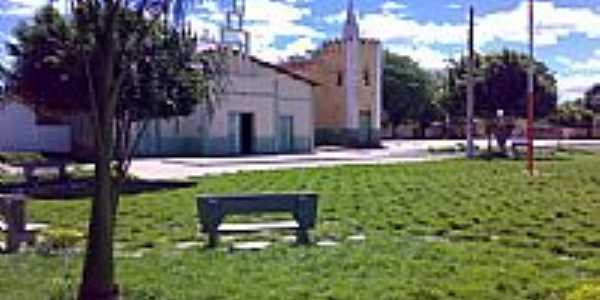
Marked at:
<point>566,258</point>
<point>434,239</point>
<point>228,238</point>
<point>35,227</point>
<point>357,238</point>
<point>289,239</point>
<point>257,227</point>
<point>250,246</point>
<point>128,254</point>
<point>188,245</point>
<point>327,243</point>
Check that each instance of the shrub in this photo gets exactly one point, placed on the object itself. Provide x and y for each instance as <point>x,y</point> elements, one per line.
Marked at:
<point>62,238</point>
<point>586,292</point>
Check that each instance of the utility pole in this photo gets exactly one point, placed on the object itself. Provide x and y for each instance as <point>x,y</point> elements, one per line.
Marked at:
<point>233,33</point>
<point>471,81</point>
<point>530,91</point>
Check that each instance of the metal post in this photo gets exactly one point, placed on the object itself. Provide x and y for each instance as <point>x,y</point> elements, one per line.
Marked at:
<point>471,87</point>
<point>530,92</point>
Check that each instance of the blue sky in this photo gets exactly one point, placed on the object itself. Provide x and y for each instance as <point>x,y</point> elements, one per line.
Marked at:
<point>431,31</point>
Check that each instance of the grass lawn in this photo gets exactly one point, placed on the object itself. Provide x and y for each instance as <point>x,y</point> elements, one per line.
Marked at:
<point>443,230</point>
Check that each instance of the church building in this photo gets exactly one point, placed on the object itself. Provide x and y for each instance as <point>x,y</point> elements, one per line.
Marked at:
<point>348,97</point>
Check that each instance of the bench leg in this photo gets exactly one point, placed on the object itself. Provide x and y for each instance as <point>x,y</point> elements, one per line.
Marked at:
<point>302,237</point>
<point>213,238</point>
<point>63,176</point>
<point>12,243</point>
<point>15,220</point>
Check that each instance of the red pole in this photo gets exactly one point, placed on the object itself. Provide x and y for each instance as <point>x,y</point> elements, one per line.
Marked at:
<point>530,92</point>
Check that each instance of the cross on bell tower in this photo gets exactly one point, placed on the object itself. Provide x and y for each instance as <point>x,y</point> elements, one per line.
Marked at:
<point>351,26</point>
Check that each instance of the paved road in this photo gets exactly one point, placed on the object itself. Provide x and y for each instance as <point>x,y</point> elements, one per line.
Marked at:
<point>395,151</point>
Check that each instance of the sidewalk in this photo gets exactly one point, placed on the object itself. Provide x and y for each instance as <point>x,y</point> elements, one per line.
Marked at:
<point>394,151</point>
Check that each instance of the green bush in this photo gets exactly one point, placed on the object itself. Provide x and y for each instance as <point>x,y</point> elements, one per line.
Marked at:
<point>62,238</point>
<point>587,291</point>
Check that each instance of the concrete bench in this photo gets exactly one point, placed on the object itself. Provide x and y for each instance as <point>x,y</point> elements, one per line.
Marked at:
<point>30,168</point>
<point>543,150</point>
<point>212,209</point>
<point>12,207</point>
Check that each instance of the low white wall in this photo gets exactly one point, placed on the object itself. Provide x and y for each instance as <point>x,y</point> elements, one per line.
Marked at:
<point>20,133</point>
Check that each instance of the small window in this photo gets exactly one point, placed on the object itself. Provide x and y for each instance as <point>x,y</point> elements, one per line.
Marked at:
<point>340,79</point>
<point>366,78</point>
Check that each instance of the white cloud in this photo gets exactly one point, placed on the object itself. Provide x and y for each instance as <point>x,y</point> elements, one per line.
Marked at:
<point>338,18</point>
<point>454,6</point>
<point>266,20</point>
<point>28,7</point>
<point>399,26</point>
<point>592,64</point>
<point>573,86</point>
<point>553,23</point>
<point>269,19</point>
<point>392,5</point>
<point>427,57</point>
<point>298,47</point>
<point>579,76</point>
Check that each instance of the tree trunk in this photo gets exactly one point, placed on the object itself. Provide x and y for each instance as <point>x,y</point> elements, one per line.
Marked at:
<point>394,127</point>
<point>423,129</point>
<point>489,142</point>
<point>98,273</point>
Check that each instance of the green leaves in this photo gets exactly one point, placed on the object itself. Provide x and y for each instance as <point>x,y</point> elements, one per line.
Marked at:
<point>154,60</point>
<point>408,90</point>
<point>504,85</point>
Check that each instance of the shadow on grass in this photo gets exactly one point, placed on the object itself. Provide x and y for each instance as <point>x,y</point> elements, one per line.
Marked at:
<point>499,156</point>
<point>84,188</point>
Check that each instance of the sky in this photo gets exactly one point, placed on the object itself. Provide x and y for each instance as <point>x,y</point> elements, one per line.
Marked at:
<point>430,31</point>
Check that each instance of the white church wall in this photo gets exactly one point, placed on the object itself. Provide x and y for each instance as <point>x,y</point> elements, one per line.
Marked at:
<point>253,88</point>
<point>19,132</point>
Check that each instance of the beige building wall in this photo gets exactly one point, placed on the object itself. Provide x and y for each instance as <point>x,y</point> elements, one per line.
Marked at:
<point>328,68</point>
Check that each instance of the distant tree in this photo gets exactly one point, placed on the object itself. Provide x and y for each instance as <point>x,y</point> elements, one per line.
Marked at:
<point>121,62</point>
<point>503,86</point>
<point>408,91</point>
<point>573,114</point>
<point>3,78</point>
<point>592,98</point>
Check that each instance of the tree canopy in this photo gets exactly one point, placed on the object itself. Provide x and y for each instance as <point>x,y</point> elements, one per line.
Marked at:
<point>119,61</point>
<point>572,113</point>
<point>591,98</point>
<point>408,91</point>
<point>503,86</point>
<point>50,67</point>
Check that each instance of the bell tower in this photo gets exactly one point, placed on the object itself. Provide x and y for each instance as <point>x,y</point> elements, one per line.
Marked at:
<point>351,41</point>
